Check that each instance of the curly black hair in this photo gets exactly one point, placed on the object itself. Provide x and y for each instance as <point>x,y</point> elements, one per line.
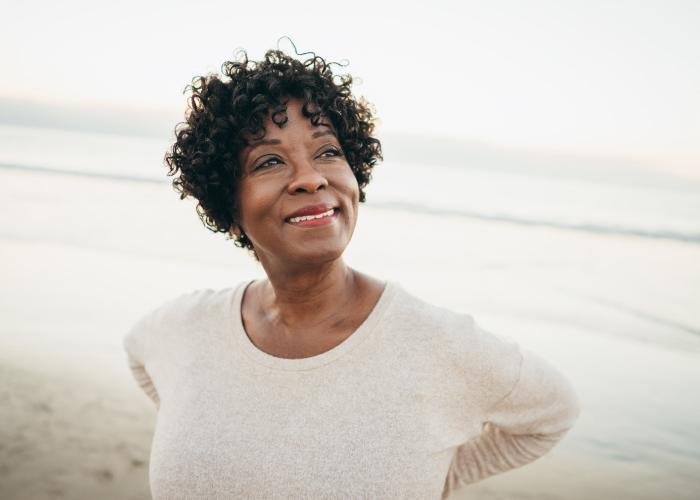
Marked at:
<point>225,110</point>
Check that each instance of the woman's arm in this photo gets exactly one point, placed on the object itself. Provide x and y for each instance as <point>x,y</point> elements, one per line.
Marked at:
<point>520,427</point>
<point>136,346</point>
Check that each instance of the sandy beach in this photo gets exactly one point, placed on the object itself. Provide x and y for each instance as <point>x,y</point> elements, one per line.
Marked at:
<point>82,258</point>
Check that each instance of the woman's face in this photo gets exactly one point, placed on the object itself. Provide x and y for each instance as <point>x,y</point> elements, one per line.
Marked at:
<point>298,197</point>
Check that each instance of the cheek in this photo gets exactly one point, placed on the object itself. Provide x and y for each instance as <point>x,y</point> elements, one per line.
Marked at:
<point>349,182</point>
<point>253,202</point>
<point>352,191</point>
<point>241,205</point>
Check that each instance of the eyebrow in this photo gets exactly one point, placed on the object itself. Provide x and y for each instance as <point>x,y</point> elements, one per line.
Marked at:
<point>263,142</point>
<point>322,132</point>
<point>269,142</point>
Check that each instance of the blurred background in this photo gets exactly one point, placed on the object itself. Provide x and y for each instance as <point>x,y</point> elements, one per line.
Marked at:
<point>542,173</point>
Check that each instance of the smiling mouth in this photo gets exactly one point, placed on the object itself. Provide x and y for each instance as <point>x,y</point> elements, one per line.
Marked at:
<point>314,220</point>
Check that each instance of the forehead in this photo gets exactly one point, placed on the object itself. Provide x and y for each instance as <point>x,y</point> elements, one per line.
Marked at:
<point>291,120</point>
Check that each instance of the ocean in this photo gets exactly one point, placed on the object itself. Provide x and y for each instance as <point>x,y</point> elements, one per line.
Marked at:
<point>601,197</point>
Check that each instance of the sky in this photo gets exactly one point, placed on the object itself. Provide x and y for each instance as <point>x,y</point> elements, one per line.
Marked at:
<point>616,78</point>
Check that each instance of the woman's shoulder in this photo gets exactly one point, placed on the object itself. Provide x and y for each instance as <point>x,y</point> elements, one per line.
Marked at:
<point>453,334</point>
<point>424,315</point>
<point>457,347</point>
<point>193,304</point>
<point>185,310</point>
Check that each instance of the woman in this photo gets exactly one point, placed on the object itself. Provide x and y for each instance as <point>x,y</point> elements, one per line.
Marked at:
<point>319,381</point>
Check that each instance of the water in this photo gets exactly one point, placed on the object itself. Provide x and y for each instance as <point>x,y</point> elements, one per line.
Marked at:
<point>556,201</point>
<point>656,206</point>
<point>119,156</point>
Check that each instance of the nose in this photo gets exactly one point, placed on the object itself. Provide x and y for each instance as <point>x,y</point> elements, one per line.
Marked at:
<point>306,179</point>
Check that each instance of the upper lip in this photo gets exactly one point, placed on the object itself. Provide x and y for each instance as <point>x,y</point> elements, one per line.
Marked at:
<point>311,210</point>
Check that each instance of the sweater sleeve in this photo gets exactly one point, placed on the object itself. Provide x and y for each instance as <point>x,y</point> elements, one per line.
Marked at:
<point>519,427</point>
<point>136,343</point>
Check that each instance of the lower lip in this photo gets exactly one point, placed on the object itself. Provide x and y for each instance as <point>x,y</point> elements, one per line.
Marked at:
<point>323,221</point>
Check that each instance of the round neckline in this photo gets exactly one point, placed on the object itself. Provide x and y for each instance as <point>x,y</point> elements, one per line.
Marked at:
<point>361,333</point>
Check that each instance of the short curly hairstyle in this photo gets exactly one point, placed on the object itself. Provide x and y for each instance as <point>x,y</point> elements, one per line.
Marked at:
<point>225,110</point>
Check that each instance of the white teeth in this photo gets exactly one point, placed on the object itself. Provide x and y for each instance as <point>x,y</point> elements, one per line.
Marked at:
<point>309,217</point>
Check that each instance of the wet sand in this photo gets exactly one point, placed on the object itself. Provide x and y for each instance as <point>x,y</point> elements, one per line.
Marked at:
<point>82,258</point>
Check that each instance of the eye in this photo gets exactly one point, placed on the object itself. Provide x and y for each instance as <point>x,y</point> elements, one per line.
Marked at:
<point>268,163</point>
<point>331,152</point>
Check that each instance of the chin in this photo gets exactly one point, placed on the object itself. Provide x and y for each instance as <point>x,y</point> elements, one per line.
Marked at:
<point>317,253</point>
<point>321,256</point>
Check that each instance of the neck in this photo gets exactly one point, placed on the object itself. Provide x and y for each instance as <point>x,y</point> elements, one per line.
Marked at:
<point>303,298</point>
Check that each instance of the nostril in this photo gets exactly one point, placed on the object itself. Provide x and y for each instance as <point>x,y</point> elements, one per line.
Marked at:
<point>302,189</point>
<point>307,184</point>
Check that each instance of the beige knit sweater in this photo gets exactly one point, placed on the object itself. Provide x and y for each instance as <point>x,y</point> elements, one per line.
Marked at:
<point>417,402</point>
